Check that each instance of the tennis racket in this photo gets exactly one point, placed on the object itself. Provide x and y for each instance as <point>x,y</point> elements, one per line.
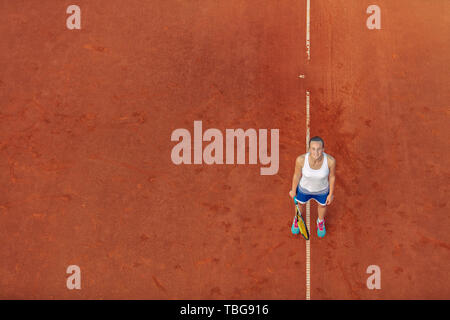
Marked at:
<point>300,222</point>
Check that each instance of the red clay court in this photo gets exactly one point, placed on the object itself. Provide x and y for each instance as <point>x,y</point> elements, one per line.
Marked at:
<point>86,118</point>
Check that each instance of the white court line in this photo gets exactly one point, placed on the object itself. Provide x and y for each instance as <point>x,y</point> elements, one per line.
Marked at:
<point>308,44</point>
<point>308,247</point>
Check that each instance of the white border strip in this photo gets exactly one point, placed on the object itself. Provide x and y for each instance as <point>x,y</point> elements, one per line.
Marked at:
<point>308,44</point>
<point>308,247</point>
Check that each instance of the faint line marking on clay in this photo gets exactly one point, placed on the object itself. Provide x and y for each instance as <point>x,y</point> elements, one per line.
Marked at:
<point>435,242</point>
<point>347,281</point>
<point>158,284</point>
<point>95,48</point>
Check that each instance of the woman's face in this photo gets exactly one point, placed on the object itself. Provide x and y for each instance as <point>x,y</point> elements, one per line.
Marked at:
<point>316,149</point>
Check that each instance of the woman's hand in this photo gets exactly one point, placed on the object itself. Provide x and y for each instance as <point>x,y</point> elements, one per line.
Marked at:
<point>329,199</point>
<point>292,194</point>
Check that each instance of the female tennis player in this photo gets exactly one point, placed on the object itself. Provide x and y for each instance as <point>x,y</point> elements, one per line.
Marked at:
<point>317,172</point>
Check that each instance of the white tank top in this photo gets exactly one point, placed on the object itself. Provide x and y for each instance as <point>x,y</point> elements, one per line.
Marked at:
<point>314,181</point>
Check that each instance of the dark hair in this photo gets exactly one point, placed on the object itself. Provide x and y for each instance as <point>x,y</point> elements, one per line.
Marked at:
<point>316,138</point>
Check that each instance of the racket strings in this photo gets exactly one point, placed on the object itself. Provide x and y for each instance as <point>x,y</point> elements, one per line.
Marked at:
<point>301,225</point>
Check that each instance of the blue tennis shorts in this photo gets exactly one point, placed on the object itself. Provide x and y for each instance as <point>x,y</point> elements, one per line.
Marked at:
<point>303,196</point>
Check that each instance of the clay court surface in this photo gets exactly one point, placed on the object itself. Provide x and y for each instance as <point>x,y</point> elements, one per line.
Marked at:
<point>87,179</point>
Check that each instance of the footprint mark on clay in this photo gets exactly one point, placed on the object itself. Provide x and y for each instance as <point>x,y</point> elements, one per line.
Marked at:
<point>398,270</point>
<point>216,290</point>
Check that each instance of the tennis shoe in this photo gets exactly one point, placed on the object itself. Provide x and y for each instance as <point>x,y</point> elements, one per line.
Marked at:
<point>295,229</point>
<point>321,228</point>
